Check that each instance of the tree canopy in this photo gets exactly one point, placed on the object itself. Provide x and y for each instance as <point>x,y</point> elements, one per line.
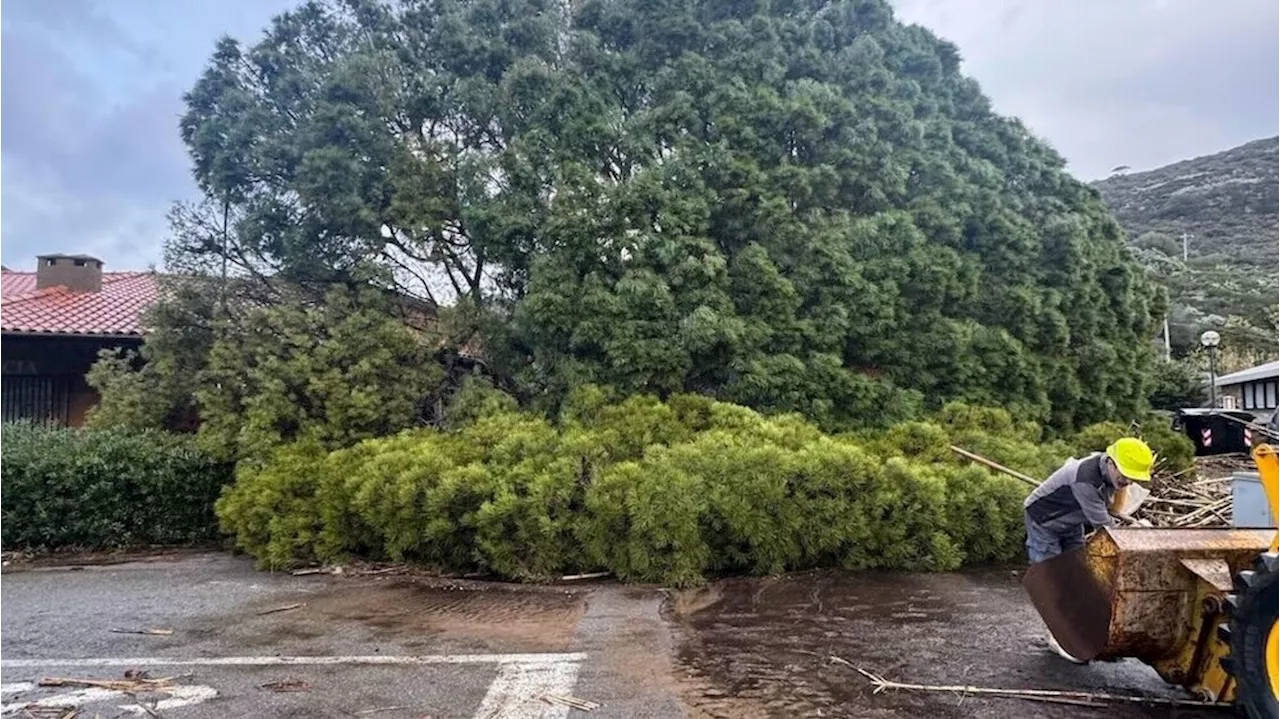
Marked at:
<point>794,205</point>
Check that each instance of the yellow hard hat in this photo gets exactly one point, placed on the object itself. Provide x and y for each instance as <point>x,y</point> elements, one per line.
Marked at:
<point>1133,458</point>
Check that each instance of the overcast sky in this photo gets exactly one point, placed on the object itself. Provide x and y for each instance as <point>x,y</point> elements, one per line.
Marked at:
<point>90,95</point>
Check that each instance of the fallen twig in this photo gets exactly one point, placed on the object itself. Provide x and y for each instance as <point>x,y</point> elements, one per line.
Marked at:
<point>590,575</point>
<point>376,710</point>
<point>286,608</point>
<point>152,632</point>
<point>309,570</point>
<point>881,684</point>
<point>570,701</point>
<point>119,685</point>
<point>286,685</point>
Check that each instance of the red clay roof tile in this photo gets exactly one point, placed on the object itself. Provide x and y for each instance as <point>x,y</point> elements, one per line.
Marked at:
<point>116,310</point>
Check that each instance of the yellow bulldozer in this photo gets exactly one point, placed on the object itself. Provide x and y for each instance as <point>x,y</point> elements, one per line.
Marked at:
<point>1197,605</point>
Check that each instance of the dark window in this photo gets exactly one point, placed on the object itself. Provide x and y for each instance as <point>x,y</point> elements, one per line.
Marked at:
<point>45,400</point>
<point>1271,395</point>
<point>81,263</point>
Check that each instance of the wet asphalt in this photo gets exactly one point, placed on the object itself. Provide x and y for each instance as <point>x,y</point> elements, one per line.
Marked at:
<point>219,608</point>
<point>411,646</point>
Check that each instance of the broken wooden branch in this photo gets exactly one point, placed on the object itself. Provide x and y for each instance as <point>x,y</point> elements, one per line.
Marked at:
<point>152,632</point>
<point>127,685</point>
<point>286,685</point>
<point>998,467</point>
<point>881,684</point>
<point>590,575</point>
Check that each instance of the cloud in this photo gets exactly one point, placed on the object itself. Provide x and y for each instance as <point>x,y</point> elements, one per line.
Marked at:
<point>79,177</point>
<point>91,91</point>
<point>92,94</point>
<point>1138,82</point>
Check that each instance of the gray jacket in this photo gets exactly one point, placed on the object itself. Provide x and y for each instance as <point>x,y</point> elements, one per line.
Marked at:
<point>1075,495</point>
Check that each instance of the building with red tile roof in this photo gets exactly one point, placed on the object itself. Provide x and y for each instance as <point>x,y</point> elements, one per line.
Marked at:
<point>53,324</point>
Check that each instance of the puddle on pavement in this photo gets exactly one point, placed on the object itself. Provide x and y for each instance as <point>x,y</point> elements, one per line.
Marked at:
<point>762,647</point>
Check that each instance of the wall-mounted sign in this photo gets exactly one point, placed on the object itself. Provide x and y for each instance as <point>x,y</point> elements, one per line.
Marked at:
<point>17,367</point>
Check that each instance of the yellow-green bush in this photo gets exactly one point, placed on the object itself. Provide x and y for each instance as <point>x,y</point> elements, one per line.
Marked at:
<point>652,491</point>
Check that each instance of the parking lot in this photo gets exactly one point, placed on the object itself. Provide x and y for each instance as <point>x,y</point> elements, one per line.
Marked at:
<point>235,642</point>
<point>382,646</point>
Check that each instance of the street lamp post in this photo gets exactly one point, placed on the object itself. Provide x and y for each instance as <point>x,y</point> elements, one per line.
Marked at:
<point>1211,340</point>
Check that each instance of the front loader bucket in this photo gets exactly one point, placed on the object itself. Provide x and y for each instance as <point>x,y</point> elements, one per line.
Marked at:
<point>1074,605</point>
<point>1151,594</point>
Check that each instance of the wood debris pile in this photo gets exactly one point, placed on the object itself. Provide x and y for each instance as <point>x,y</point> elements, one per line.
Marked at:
<point>1199,497</point>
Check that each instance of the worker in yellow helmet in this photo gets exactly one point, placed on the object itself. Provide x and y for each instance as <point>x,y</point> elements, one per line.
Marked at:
<point>1078,496</point>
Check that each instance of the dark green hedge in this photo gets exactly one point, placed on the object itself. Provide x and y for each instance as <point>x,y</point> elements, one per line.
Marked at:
<point>105,488</point>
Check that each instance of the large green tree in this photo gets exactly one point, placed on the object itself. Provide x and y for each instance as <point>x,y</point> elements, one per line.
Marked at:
<point>798,205</point>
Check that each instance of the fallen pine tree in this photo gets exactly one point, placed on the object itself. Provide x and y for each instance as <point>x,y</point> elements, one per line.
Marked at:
<point>647,490</point>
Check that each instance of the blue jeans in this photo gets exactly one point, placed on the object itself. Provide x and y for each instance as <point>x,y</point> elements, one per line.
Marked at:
<point>1043,544</point>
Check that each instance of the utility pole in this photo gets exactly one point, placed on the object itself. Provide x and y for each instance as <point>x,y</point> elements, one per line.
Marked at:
<point>1168,348</point>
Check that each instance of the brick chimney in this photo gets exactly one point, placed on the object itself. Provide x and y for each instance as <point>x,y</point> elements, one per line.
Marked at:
<point>78,273</point>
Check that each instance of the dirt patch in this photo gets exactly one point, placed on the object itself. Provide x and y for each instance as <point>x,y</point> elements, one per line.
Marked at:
<point>762,648</point>
<point>420,614</point>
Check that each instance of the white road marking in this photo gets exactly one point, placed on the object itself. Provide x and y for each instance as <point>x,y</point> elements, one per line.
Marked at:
<point>16,688</point>
<point>183,695</point>
<point>277,661</point>
<point>515,692</point>
<point>179,696</point>
<point>75,698</point>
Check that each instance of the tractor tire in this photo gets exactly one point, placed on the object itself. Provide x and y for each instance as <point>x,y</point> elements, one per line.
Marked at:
<point>1251,613</point>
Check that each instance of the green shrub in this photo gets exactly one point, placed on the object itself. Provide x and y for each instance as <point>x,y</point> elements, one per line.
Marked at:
<point>652,491</point>
<point>644,524</point>
<point>274,508</point>
<point>105,488</point>
<point>931,443</point>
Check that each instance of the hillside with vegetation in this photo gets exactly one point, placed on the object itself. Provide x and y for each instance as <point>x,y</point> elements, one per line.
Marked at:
<point>1226,206</point>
